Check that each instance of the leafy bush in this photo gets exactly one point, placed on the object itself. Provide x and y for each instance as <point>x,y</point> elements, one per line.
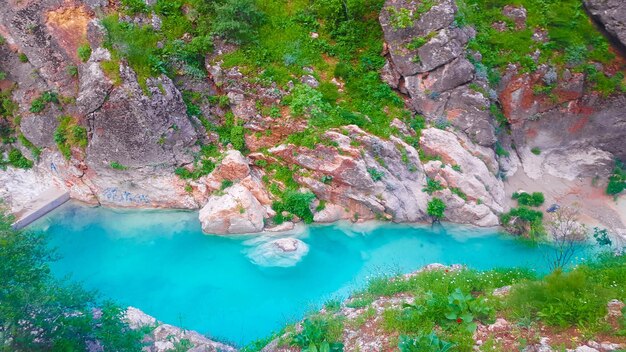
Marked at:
<point>237,20</point>
<point>39,104</point>
<point>117,166</point>
<point>561,299</point>
<point>436,208</point>
<point>84,52</point>
<point>617,181</point>
<point>18,160</point>
<point>432,186</point>
<point>296,203</point>
<point>320,333</point>
<point>535,150</point>
<point>225,184</point>
<point>424,343</point>
<point>524,221</point>
<point>23,58</point>
<point>375,174</point>
<point>532,200</point>
<point>40,313</point>
<point>69,134</point>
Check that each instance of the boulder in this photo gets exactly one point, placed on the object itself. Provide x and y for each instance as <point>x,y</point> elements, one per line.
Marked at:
<point>236,211</point>
<point>476,178</point>
<point>612,16</point>
<point>163,337</point>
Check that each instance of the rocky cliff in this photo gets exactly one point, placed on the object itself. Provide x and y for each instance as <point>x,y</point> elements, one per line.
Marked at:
<point>238,145</point>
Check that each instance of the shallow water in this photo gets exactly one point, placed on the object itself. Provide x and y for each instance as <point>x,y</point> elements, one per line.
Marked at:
<point>239,289</point>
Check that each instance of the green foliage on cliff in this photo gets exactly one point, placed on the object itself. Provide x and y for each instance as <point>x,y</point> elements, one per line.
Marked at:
<point>296,203</point>
<point>84,52</point>
<point>40,313</point>
<point>436,208</point>
<point>534,199</point>
<point>617,180</point>
<point>572,39</point>
<point>524,221</point>
<point>39,104</point>
<point>69,134</point>
<point>18,160</point>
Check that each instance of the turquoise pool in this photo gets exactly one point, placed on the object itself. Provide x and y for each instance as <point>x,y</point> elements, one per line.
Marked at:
<point>229,287</point>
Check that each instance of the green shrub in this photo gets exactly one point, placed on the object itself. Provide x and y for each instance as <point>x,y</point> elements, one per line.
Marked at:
<point>424,343</point>
<point>432,186</point>
<point>375,174</point>
<point>535,150</point>
<point>72,70</point>
<point>617,180</point>
<point>561,299</point>
<point>459,193</point>
<point>117,166</point>
<point>226,184</point>
<point>39,104</point>
<point>296,203</point>
<point>524,221</point>
<point>532,200</point>
<point>3,75</point>
<point>28,144</point>
<point>237,20</point>
<point>23,58</point>
<point>84,52</point>
<point>436,208</point>
<point>320,333</point>
<point>18,160</point>
<point>69,134</point>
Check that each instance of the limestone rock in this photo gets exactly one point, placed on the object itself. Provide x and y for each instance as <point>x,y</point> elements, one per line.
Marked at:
<point>475,179</point>
<point>137,130</point>
<point>235,212</point>
<point>395,190</point>
<point>163,337</point>
<point>611,14</point>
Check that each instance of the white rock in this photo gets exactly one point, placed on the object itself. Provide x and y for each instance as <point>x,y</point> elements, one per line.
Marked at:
<point>235,212</point>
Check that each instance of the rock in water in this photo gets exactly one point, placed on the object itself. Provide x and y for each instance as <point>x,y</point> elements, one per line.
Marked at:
<point>282,252</point>
<point>235,212</point>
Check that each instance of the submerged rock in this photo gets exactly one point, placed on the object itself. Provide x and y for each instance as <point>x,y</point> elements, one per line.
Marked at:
<point>282,252</point>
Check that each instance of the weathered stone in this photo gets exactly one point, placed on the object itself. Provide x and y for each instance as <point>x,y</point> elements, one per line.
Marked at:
<point>611,14</point>
<point>139,131</point>
<point>163,337</point>
<point>235,212</point>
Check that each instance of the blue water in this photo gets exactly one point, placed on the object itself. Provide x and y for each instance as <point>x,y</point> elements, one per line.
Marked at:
<point>162,263</point>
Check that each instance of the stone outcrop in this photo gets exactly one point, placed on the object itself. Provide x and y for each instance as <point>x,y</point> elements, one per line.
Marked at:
<point>466,167</point>
<point>612,16</point>
<point>367,176</point>
<point>165,337</point>
<point>436,75</point>
<point>240,208</point>
<point>236,211</point>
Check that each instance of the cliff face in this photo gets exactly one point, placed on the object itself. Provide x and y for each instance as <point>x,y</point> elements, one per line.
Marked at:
<point>99,128</point>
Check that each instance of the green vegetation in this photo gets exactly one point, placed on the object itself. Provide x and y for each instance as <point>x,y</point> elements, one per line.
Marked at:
<point>535,150</point>
<point>28,144</point>
<point>432,186</point>
<point>459,193</point>
<point>448,304</point>
<point>69,134</point>
<point>532,200</point>
<point>617,180</point>
<point>84,52</point>
<point>236,20</point>
<point>117,166</point>
<point>436,208</point>
<point>319,333</point>
<point>296,203</point>
<point>524,221</point>
<point>375,174</point>
<point>39,104</point>
<point>573,41</point>
<point>40,313</point>
<point>16,159</point>
<point>23,58</point>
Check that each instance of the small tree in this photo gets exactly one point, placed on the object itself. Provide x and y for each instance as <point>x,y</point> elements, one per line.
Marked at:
<point>436,208</point>
<point>568,236</point>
